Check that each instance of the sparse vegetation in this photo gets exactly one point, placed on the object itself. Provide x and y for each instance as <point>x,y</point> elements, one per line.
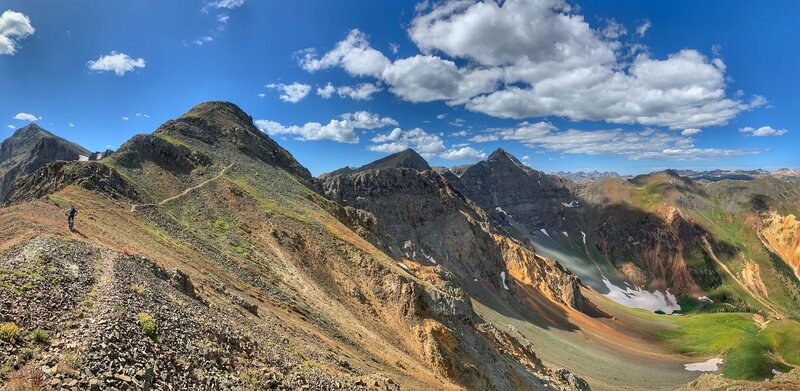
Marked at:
<point>40,336</point>
<point>137,289</point>
<point>148,325</point>
<point>28,378</point>
<point>69,362</point>
<point>9,332</point>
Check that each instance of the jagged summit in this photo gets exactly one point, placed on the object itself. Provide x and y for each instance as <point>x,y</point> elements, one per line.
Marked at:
<point>501,157</point>
<point>404,159</point>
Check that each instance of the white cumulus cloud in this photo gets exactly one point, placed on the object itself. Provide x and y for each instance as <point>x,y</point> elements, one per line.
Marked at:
<point>27,117</point>
<point>691,131</point>
<point>763,131</point>
<point>292,93</point>
<point>534,58</point>
<point>428,145</point>
<point>223,4</point>
<point>14,26</point>
<point>341,130</point>
<point>119,63</point>
<point>362,91</point>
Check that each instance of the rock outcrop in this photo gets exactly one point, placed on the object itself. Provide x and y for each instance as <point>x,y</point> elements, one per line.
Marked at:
<point>89,175</point>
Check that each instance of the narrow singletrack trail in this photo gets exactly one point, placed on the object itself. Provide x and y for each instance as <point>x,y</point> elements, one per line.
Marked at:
<point>185,192</point>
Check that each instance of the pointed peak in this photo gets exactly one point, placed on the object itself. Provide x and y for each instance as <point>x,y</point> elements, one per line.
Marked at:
<point>500,156</point>
<point>404,159</point>
<point>31,130</point>
<point>498,153</point>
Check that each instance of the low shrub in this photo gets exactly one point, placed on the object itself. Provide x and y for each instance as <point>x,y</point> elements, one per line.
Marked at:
<point>9,332</point>
<point>148,325</point>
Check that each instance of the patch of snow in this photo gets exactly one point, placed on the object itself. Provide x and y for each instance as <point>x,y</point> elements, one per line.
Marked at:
<point>711,365</point>
<point>83,158</point>
<point>540,184</point>
<point>565,233</point>
<point>503,277</point>
<point>638,298</point>
<point>776,372</point>
<point>428,257</point>
<point>705,298</point>
<point>584,237</point>
<point>404,266</point>
<point>571,204</point>
<point>544,231</point>
<point>499,209</point>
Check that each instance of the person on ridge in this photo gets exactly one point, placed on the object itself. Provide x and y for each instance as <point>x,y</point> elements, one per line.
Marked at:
<point>71,217</point>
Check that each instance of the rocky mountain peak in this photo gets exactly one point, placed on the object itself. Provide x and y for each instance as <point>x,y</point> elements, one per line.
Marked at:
<point>501,157</point>
<point>219,112</point>
<point>30,131</point>
<point>227,129</point>
<point>30,148</point>
<point>405,159</point>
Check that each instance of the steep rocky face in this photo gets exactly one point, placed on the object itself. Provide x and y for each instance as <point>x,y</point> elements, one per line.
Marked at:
<point>661,249</point>
<point>30,148</point>
<point>641,228</point>
<point>782,236</point>
<point>422,217</point>
<point>530,197</point>
<point>542,274</point>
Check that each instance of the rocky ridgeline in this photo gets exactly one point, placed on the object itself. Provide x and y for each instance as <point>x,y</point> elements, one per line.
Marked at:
<point>89,175</point>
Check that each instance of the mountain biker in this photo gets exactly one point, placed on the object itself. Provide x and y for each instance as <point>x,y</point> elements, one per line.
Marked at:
<point>71,216</point>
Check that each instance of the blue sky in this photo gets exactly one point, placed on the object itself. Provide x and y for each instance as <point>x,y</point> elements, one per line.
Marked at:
<point>620,86</point>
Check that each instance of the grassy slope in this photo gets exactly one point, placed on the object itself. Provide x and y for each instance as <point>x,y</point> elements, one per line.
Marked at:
<point>750,351</point>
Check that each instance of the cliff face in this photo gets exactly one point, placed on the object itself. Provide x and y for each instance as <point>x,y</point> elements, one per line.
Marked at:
<point>663,244</point>
<point>533,198</point>
<point>541,274</point>
<point>424,218</point>
<point>782,236</point>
